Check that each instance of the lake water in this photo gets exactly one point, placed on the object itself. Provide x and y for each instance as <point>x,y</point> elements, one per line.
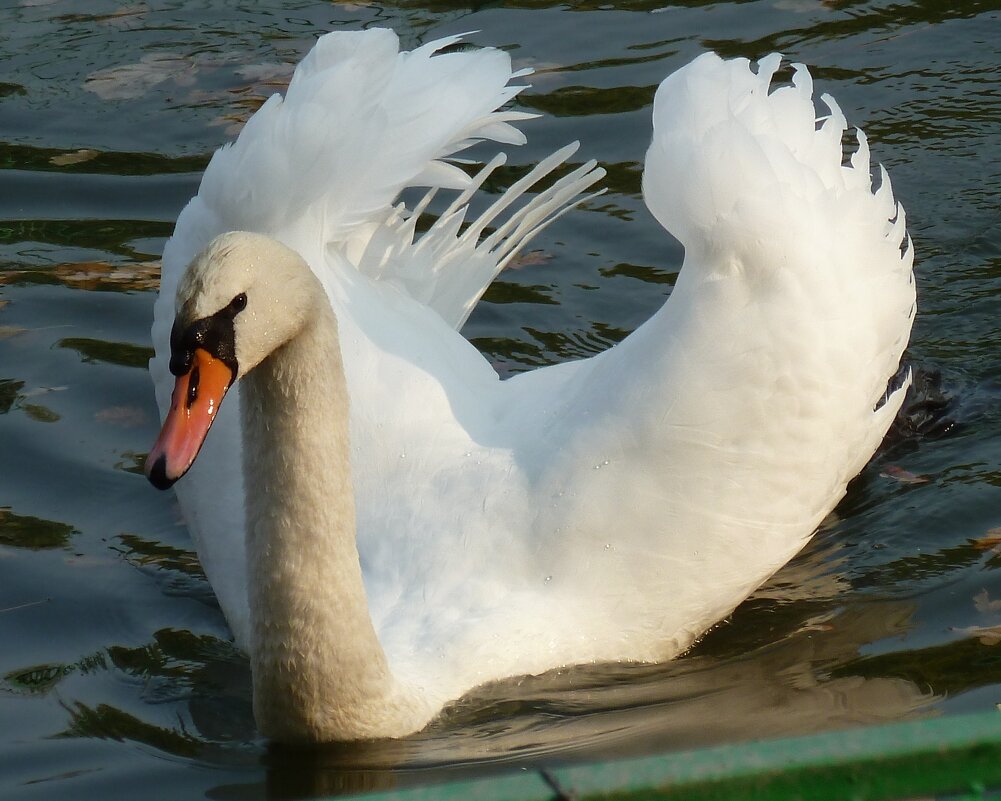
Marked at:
<point>117,677</point>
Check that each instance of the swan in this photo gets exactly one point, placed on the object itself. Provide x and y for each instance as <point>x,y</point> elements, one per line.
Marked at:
<point>387,524</point>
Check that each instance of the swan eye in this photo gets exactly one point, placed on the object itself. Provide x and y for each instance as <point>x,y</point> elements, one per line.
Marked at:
<point>239,303</point>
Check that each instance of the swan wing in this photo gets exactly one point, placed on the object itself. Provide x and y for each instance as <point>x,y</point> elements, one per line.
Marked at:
<point>616,507</point>
<point>680,468</point>
<point>320,170</point>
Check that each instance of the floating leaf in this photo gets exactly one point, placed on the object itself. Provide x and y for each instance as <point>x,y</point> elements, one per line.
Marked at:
<point>985,635</point>
<point>132,81</point>
<point>530,259</point>
<point>8,331</point>
<point>982,601</point>
<point>264,80</point>
<point>903,476</point>
<point>990,541</point>
<point>76,157</point>
<point>271,73</point>
<point>124,416</point>
<point>231,124</point>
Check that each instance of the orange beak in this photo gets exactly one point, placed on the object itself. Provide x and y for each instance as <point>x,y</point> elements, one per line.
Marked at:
<point>193,406</point>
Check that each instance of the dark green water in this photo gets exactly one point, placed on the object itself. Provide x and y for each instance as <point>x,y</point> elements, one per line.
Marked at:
<point>117,679</point>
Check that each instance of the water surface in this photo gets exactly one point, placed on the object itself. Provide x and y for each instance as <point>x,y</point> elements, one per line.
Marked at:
<point>117,677</point>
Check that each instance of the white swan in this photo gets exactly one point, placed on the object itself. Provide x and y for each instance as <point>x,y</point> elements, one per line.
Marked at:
<point>607,509</point>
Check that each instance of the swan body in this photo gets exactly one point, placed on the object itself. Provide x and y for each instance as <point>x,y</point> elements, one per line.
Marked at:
<point>387,524</point>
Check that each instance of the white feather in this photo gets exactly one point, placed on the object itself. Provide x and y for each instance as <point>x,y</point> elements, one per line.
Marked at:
<point>611,508</point>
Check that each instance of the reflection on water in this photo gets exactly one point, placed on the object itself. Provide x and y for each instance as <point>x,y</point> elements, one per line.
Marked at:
<point>789,661</point>
<point>117,676</point>
<point>582,713</point>
<point>25,531</point>
<point>112,352</point>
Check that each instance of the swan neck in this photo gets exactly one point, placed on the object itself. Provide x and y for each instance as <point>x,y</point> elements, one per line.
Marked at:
<point>318,667</point>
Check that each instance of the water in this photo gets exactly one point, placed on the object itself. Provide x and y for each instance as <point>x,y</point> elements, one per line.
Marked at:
<point>117,674</point>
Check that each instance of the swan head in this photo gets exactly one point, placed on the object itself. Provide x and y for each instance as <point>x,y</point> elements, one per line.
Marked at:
<point>240,299</point>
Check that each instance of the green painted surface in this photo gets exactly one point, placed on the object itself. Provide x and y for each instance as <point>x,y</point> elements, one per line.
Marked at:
<point>955,758</point>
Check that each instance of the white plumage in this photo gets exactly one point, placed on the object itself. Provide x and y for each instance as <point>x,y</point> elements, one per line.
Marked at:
<point>611,508</point>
